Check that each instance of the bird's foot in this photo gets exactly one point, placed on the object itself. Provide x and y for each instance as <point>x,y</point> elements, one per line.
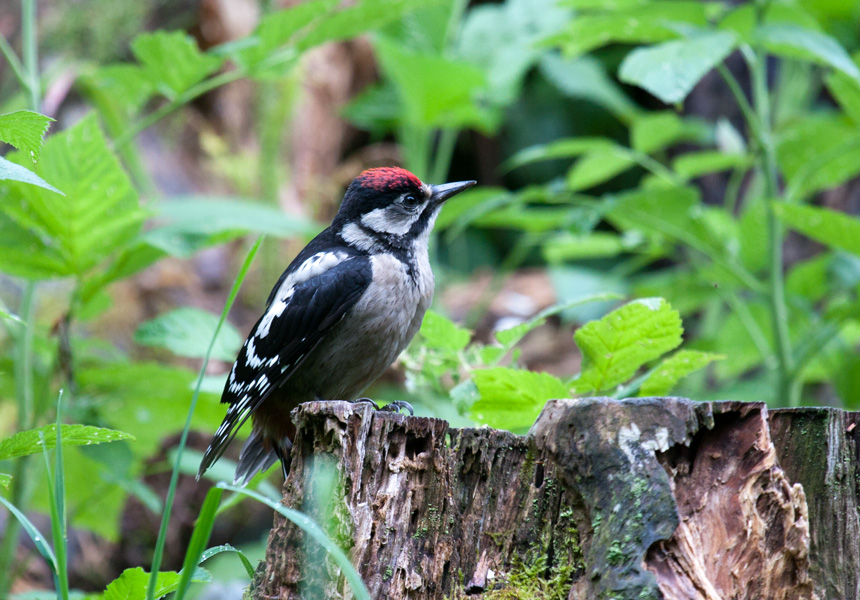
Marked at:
<point>395,406</point>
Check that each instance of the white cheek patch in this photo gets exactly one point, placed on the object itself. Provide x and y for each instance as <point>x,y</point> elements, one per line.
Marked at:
<point>386,220</point>
<point>355,236</point>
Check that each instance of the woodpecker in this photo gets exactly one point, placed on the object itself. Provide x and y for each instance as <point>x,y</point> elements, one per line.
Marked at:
<point>340,314</point>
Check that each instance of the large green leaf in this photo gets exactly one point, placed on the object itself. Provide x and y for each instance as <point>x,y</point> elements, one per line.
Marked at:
<point>830,227</point>
<point>586,77</point>
<point>100,212</point>
<point>653,131</point>
<point>634,23</point>
<point>32,441</point>
<point>661,381</point>
<point>131,584</point>
<point>172,61</point>
<point>25,130</point>
<point>10,171</point>
<point>846,91</point>
<point>670,70</point>
<point>511,398</point>
<point>502,39</point>
<point>562,148</point>
<point>616,346</point>
<point>598,166</point>
<point>187,332</point>
<point>439,332</point>
<point>435,91</point>
<point>695,164</point>
<point>793,41</point>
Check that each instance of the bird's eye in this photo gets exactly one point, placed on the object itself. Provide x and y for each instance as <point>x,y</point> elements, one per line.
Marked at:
<point>410,201</point>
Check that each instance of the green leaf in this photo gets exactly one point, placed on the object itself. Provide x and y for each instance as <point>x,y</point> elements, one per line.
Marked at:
<point>314,531</point>
<point>32,441</point>
<point>100,213</point>
<point>830,227</point>
<point>172,61</point>
<point>670,70</point>
<point>199,540</point>
<point>131,585</point>
<point>585,77</point>
<point>25,130</point>
<point>653,131</point>
<point>792,41</point>
<point>598,244</point>
<point>563,148</point>
<point>444,334</point>
<point>616,346</point>
<point>182,232</point>
<point>502,39</point>
<point>10,171</point>
<point>512,399</point>
<point>633,23</point>
<point>187,331</point>
<point>435,91</point>
<point>123,85</point>
<point>696,164</point>
<point>275,30</point>
<point>846,91</point>
<point>249,568</point>
<point>39,540</point>
<point>598,166</point>
<point>5,480</point>
<point>675,368</point>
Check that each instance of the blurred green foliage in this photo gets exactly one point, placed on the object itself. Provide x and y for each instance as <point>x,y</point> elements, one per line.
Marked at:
<point>612,177</point>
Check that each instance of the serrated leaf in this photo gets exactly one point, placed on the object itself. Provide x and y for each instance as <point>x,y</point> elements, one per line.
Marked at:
<point>125,85</point>
<point>616,346</point>
<point>277,29</point>
<point>187,331</point>
<point>10,171</point>
<point>172,61</point>
<point>670,70</point>
<point>511,398</point>
<point>830,227</point>
<point>25,129</point>
<point>793,41</point>
<point>131,585</point>
<point>439,332</point>
<point>32,441</point>
<point>100,213</point>
<point>675,368</point>
<point>599,166</point>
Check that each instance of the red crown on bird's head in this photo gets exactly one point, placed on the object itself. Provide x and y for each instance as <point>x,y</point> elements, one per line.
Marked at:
<point>387,178</point>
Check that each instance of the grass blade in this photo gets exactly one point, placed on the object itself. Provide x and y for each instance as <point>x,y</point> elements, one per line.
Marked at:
<point>249,568</point>
<point>199,539</point>
<point>306,524</point>
<point>158,553</point>
<point>38,539</point>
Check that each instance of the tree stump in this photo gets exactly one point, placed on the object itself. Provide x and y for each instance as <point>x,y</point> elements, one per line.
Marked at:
<point>641,498</point>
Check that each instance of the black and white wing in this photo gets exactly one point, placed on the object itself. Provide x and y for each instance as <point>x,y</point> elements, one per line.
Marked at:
<point>312,296</point>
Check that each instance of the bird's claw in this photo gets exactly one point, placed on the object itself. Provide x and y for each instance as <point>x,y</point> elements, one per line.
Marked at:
<point>394,407</point>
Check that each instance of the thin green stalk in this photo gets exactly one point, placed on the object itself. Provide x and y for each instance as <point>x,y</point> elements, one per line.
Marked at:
<point>180,100</point>
<point>767,164</point>
<point>14,62</point>
<point>30,51</point>
<point>24,397</point>
<point>57,500</point>
<point>444,152</point>
<point>158,554</point>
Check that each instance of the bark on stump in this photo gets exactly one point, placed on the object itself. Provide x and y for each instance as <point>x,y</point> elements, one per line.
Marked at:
<point>641,498</point>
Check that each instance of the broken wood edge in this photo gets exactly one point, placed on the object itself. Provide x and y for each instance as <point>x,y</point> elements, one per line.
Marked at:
<point>622,520</point>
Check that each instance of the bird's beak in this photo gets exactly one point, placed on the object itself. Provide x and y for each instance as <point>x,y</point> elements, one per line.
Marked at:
<point>440,193</point>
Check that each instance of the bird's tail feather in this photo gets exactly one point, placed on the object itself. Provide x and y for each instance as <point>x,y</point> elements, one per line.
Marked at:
<point>260,453</point>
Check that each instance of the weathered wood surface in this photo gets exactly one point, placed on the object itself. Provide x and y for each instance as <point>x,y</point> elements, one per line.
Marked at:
<point>644,498</point>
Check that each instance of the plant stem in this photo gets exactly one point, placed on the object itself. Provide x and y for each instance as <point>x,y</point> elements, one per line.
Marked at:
<point>24,395</point>
<point>30,51</point>
<point>786,392</point>
<point>180,100</point>
<point>13,61</point>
